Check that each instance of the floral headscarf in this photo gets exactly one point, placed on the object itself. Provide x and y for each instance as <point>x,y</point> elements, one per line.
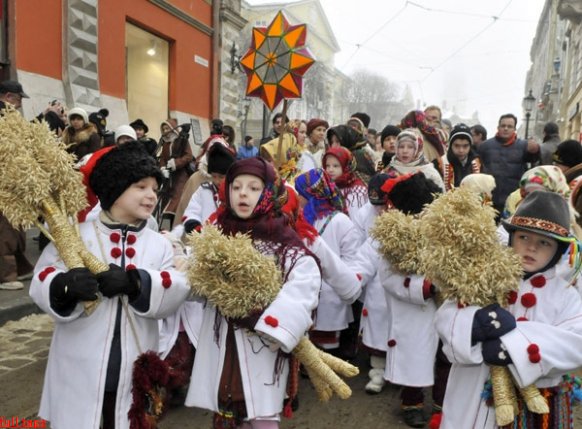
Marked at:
<point>542,178</point>
<point>322,195</point>
<point>348,164</point>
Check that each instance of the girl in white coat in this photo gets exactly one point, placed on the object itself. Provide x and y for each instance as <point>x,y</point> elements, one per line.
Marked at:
<point>340,165</point>
<point>538,337</point>
<point>241,366</point>
<point>324,209</point>
<point>88,375</point>
<point>409,157</point>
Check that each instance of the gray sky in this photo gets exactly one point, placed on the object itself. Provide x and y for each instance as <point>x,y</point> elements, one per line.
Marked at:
<point>451,50</point>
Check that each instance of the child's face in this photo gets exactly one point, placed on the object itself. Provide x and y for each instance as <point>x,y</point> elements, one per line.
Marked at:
<point>245,192</point>
<point>389,144</point>
<point>77,122</point>
<point>535,250</point>
<point>217,179</point>
<point>461,148</point>
<point>137,202</point>
<point>405,151</point>
<point>333,167</point>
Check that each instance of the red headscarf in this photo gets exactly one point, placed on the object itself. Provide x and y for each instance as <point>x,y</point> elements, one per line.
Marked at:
<point>348,179</point>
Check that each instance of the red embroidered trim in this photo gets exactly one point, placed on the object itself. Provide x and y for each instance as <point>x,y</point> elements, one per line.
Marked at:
<point>544,225</point>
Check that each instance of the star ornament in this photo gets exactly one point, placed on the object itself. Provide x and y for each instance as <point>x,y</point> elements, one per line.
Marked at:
<point>276,61</point>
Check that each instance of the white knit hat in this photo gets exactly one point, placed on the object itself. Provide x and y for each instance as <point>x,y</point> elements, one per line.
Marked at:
<point>79,112</point>
<point>125,130</point>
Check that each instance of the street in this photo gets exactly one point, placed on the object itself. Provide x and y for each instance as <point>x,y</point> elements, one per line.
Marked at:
<point>24,350</point>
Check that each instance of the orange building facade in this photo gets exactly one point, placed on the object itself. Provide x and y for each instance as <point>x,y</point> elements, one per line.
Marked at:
<point>138,58</point>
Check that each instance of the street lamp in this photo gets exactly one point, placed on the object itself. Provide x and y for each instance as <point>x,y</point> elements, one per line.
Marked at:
<point>528,105</point>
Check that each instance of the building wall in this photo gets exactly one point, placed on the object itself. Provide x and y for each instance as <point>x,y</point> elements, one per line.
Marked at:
<point>38,41</point>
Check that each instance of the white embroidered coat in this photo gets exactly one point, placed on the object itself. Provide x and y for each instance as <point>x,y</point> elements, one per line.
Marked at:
<point>340,235</point>
<point>264,392</point>
<point>553,323</point>
<point>374,320</point>
<point>75,376</point>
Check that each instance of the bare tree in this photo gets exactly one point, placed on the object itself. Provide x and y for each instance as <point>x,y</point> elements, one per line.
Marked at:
<point>374,94</point>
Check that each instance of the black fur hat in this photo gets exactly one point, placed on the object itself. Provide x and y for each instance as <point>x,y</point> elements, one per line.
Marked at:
<point>118,169</point>
<point>412,194</point>
<point>220,158</point>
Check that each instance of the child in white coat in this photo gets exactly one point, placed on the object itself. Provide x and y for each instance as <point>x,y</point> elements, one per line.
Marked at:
<point>89,369</point>
<point>324,210</point>
<point>538,337</point>
<point>241,366</point>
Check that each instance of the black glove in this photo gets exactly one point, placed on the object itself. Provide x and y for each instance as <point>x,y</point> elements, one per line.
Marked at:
<point>67,289</point>
<point>117,281</point>
<point>495,353</point>
<point>192,225</point>
<point>491,322</point>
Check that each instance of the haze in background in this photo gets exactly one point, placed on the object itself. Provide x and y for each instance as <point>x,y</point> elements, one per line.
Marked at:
<point>449,52</point>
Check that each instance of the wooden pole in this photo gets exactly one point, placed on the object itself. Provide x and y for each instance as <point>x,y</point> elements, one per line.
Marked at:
<point>280,146</point>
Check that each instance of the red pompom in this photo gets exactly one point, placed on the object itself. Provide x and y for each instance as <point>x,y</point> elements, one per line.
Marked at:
<point>116,252</point>
<point>165,274</point>
<point>533,349</point>
<point>271,321</point>
<point>365,312</point>
<point>42,275</point>
<point>528,300</point>
<point>538,281</point>
<point>130,267</point>
<point>512,297</point>
<point>130,252</point>
<point>166,283</point>
<point>407,282</point>
<point>461,305</point>
<point>535,357</point>
<point>522,319</point>
<point>131,239</point>
<point>435,421</point>
<point>115,237</point>
<point>391,343</point>
<point>49,270</point>
<point>359,276</point>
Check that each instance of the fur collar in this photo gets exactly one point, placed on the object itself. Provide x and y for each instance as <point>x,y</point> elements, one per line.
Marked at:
<point>72,137</point>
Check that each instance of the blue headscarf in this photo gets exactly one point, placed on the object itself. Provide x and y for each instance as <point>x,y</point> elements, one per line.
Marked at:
<point>322,195</point>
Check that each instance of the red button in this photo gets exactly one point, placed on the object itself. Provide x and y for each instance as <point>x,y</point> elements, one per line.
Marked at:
<point>528,300</point>
<point>512,297</point>
<point>535,357</point>
<point>166,283</point>
<point>115,237</point>
<point>131,239</point>
<point>522,319</point>
<point>365,312</point>
<point>130,267</point>
<point>533,349</point>
<point>130,252</point>
<point>407,282</point>
<point>271,321</point>
<point>391,343</point>
<point>116,252</point>
<point>165,274</point>
<point>538,281</point>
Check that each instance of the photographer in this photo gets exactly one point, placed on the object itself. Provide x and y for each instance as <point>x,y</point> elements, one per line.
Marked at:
<point>176,156</point>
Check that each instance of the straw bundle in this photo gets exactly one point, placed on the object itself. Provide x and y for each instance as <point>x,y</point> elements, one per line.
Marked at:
<point>239,280</point>
<point>38,179</point>
<point>468,264</point>
<point>400,241</point>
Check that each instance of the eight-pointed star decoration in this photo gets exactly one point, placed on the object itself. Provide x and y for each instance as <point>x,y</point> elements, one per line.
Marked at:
<point>276,61</point>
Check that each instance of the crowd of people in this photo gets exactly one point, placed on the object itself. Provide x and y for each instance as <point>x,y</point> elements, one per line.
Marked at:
<point>307,195</point>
